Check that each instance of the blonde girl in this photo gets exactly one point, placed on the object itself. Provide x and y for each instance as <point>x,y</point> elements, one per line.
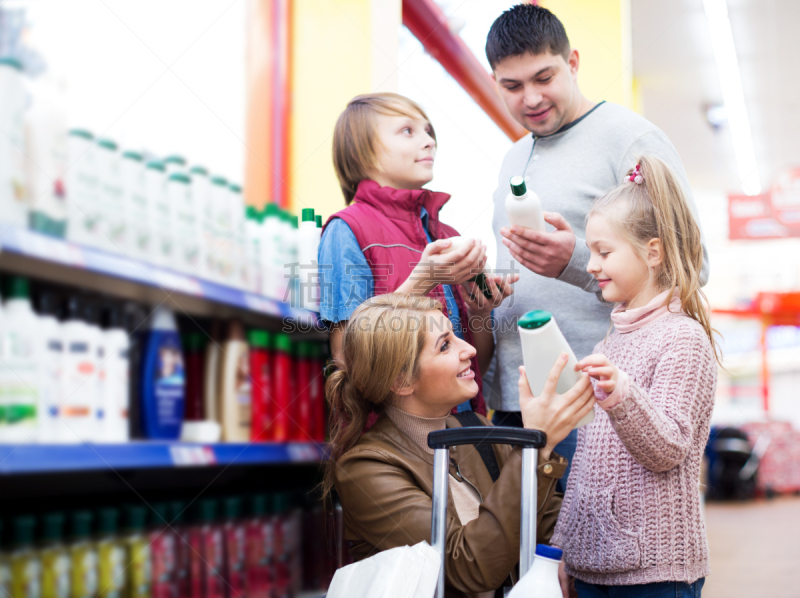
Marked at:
<point>631,524</point>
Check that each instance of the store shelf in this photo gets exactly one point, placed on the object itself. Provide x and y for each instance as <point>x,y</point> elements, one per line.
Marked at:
<point>40,458</point>
<point>46,258</point>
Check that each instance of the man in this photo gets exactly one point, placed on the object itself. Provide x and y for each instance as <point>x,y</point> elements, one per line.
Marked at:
<point>577,151</point>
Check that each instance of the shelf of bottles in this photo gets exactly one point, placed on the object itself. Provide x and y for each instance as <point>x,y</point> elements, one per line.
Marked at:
<point>33,245</point>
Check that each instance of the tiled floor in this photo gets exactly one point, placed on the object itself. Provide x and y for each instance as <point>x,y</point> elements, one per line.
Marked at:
<point>755,549</point>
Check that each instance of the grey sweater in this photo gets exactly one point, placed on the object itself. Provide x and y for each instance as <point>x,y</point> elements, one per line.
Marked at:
<point>568,170</point>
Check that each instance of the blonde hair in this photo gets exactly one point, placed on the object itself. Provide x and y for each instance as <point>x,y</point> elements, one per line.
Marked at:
<point>355,139</point>
<point>656,208</point>
<point>381,346</point>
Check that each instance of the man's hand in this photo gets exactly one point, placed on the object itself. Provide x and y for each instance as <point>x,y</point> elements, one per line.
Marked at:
<point>545,253</point>
<point>435,268</point>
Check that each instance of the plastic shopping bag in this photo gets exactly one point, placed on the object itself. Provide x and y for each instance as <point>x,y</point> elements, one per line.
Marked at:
<point>404,572</point>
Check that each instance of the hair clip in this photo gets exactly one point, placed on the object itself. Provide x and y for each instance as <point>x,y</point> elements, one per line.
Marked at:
<point>636,176</point>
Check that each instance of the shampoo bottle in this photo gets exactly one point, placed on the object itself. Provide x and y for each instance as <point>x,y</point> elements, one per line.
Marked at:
<point>541,580</point>
<point>26,567</point>
<point>234,389</point>
<point>542,344</point>
<point>55,558</point>
<point>83,556</point>
<point>523,206</point>
<point>115,400</point>
<point>51,366</point>
<point>111,566</point>
<point>20,367</point>
<point>162,378</point>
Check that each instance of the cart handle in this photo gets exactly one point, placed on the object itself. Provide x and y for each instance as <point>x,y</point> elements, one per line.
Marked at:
<point>529,440</point>
<point>487,434</point>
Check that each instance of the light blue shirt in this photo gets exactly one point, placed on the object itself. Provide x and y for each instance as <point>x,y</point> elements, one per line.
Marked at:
<point>345,278</point>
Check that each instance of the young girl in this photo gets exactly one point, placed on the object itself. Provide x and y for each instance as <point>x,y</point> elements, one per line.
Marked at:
<point>390,238</point>
<point>631,523</point>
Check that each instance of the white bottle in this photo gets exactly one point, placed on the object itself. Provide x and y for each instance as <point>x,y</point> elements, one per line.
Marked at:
<point>239,236</point>
<point>19,370</point>
<point>270,251</point>
<point>185,220</point>
<point>138,242</point>
<point>115,398</point>
<point>13,194</point>
<point>201,194</point>
<point>541,580</point>
<point>46,150</point>
<point>112,222</point>
<point>161,219</point>
<point>51,367</point>
<point>523,207</point>
<point>253,219</point>
<point>82,188</point>
<point>308,236</point>
<point>222,246</point>
<point>542,344</point>
<point>77,420</point>
<point>173,164</point>
<point>287,250</point>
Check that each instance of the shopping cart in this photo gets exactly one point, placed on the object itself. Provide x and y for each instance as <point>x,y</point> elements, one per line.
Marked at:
<point>441,441</point>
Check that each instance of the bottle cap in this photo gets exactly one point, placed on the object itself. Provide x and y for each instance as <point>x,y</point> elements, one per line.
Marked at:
<point>131,155</point>
<point>235,188</point>
<point>53,527</point>
<point>534,319</point>
<point>24,525</point>
<point>155,165</point>
<point>293,220</point>
<point>194,341</point>
<point>549,552</point>
<point>220,181</point>
<point>179,177</point>
<point>160,514</point>
<point>175,159</point>
<point>258,338</point>
<point>281,502</point>
<point>17,287</point>
<point>177,508</point>
<point>305,349</point>
<point>206,510</point>
<point>232,507</point>
<point>107,144</point>
<point>12,62</point>
<point>83,133</point>
<point>282,342</point>
<point>82,524</point>
<point>308,215</point>
<point>258,505</point>
<point>109,518</point>
<point>201,170</point>
<point>251,213</point>
<point>319,221</point>
<point>135,516</point>
<point>518,186</point>
<point>271,210</point>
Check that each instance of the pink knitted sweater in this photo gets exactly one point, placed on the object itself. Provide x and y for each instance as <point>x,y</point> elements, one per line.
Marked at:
<point>631,513</point>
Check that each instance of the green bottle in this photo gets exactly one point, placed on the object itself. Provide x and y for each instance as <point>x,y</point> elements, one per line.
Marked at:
<point>137,548</point>
<point>26,568</point>
<point>110,556</point>
<point>83,555</point>
<point>55,558</point>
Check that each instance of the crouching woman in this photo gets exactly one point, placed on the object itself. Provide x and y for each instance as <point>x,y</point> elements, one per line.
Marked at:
<point>401,360</point>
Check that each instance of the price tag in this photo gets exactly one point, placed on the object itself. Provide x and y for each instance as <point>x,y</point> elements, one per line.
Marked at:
<point>303,452</point>
<point>177,282</point>
<point>191,455</point>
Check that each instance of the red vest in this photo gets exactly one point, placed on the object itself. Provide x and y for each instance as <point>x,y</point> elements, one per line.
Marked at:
<point>386,223</point>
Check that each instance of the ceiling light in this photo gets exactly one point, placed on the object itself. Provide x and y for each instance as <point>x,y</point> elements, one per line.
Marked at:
<point>728,67</point>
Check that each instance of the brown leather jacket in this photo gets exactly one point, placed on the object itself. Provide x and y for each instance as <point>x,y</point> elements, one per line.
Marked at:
<point>385,483</point>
